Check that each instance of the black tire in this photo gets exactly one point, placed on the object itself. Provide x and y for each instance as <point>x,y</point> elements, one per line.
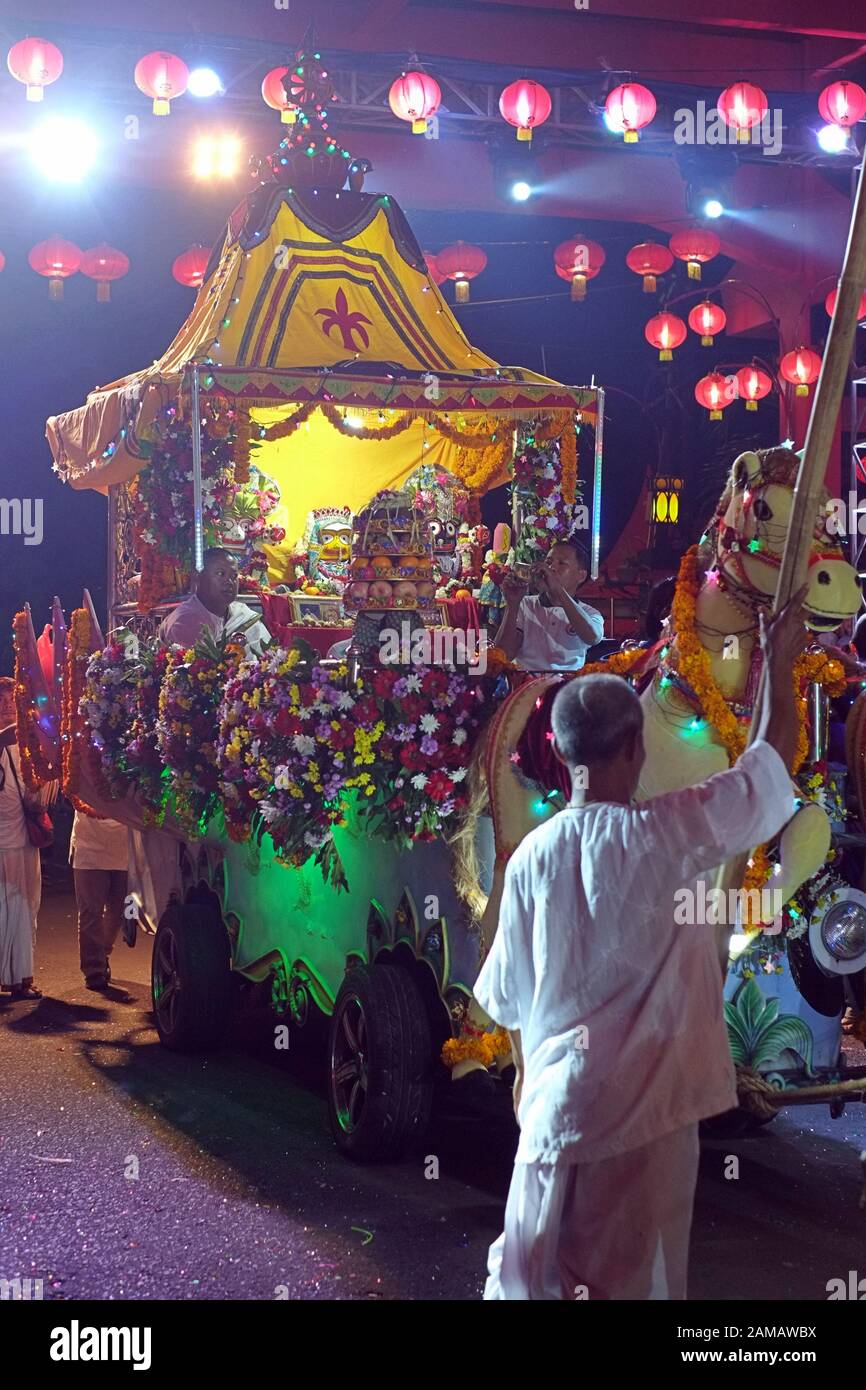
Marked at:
<point>380,1064</point>
<point>191,978</point>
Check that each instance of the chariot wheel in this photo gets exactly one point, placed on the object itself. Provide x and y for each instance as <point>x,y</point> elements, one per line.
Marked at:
<point>191,978</point>
<point>380,1058</point>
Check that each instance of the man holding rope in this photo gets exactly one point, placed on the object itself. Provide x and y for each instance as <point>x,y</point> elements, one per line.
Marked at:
<point>615,1010</point>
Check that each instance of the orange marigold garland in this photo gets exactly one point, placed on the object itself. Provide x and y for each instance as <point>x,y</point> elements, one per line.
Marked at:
<point>73,728</point>
<point>477,1045</point>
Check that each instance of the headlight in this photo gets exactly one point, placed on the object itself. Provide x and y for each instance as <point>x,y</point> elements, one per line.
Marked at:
<point>837,931</point>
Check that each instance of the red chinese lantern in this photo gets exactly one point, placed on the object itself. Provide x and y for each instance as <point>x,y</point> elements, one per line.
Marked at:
<point>415,97</point>
<point>742,106</point>
<point>36,63</point>
<point>433,268</point>
<point>695,245</point>
<point>708,319</point>
<point>577,261</point>
<point>2,260</point>
<point>629,108</point>
<point>525,104</point>
<point>830,304</point>
<point>189,267</point>
<point>715,392</point>
<point>104,263</point>
<point>842,103</point>
<point>58,259</point>
<point>275,96</point>
<point>801,368</point>
<point>665,331</point>
<point>461,263</point>
<point>649,260</point>
<point>162,76</point>
<point>753,384</point>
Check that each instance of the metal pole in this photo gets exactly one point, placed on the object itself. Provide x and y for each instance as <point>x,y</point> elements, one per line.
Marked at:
<point>596,483</point>
<point>198,526</point>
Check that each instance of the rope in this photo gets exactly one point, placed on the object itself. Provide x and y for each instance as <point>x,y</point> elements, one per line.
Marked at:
<point>762,1099</point>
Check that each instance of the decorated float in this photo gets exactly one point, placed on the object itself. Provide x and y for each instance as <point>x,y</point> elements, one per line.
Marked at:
<point>333,829</point>
<point>300,820</point>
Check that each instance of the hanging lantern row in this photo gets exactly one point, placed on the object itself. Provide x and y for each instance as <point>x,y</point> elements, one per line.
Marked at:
<point>751,384</point>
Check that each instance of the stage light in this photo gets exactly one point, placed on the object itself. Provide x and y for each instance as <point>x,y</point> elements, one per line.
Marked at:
<point>355,422</point>
<point>64,149</point>
<point>833,139</point>
<point>713,208</point>
<point>521,190</point>
<point>217,158</point>
<point>204,82</point>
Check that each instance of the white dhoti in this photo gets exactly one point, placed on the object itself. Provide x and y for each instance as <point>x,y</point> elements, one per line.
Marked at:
<point>615,1229</point>
<point>20,894</point>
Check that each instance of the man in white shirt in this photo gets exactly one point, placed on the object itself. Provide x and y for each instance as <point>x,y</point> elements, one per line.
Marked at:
<point>214,605</point>
<point>99,855</point>
<point>551,630</point>
<point>615,1010</point>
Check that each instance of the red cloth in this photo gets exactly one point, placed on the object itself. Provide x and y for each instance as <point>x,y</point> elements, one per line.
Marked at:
<point>536,758</point>
<point>463,613</point>
<point>321,638</point>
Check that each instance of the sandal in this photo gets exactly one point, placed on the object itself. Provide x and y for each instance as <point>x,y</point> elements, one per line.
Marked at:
<point>28,993</point>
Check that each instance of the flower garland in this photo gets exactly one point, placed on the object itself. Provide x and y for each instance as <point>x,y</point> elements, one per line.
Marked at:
<point>542,476</point>
<point>189,697</point>
<point>693,662</point>
<point>120,702</point>
<point>78,646</point>
<point>477,1045</point>
<point>35,767</point>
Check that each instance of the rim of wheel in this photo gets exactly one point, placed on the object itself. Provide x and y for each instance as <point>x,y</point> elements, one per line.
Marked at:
<point>166,981</point>
<point>350,1064</point>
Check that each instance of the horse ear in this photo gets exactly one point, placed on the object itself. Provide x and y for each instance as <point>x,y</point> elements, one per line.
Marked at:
<point>746,468</point>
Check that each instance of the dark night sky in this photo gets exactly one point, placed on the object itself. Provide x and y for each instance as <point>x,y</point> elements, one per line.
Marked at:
<point>53,353</point>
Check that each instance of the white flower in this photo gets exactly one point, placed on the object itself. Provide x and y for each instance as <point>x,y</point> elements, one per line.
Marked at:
<point>429,723</point>
<point>346,701</point>
<point>458,774</point>
<point>304,745</point>
<point>281,778</point>
<point>254,747</point>
<point>413,683</point>
<point>459,736</point>
<point>267,811</point>
<point>552,523</point>
<point>419,781</point>
<point>305,712</point>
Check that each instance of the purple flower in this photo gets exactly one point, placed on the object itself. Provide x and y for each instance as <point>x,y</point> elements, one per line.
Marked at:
<point>400,688</point>
<point>428,745</point>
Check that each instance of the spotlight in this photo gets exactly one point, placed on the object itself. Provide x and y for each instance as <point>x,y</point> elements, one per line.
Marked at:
<point>204,82</point>
<point>833,139</point>
<point>355,422</point>
<point>217,158</point>
<point>63,149</point>
<point>521,190</point>
<point>713,208</point>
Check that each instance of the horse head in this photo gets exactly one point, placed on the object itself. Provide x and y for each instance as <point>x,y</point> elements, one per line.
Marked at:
<point>748,534</point>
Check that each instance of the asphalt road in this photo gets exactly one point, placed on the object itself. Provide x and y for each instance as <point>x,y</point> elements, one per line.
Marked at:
<point>128,1172</point>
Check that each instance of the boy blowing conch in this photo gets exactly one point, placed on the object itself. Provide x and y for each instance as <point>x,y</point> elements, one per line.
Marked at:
<point>551,630</point>
<point>615,1010</point>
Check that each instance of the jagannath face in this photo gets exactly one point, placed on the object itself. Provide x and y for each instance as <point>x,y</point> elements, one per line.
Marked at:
<point>336,540</point>
<point>444,537</point>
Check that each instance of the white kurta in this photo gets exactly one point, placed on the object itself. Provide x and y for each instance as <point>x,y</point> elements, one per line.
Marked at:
<point>548,643</point>
<point>20,880</point>
<point>618,1007</point>
<point>185,624</point>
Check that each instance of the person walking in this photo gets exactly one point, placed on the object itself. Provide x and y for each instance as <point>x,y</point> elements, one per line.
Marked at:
<point>99,854</point>
<point>20,870</point>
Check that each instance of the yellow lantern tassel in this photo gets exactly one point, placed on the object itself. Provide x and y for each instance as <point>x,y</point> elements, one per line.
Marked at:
<point>461,293</point>
<point>103,291</point>
<point>161,107</point>
<point>288,116</point>
<point>649,284</point>
<point>666,355</point>
<point>751,405</point>
<point>706,341</point>
<point>524,132</point>
<point>694,270</point>
<point>419,126</point>
<point>715,415</point>
<point>578,287</point>
<point>802,389</point>
<point>630,137</point>
<point>55,288</point>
